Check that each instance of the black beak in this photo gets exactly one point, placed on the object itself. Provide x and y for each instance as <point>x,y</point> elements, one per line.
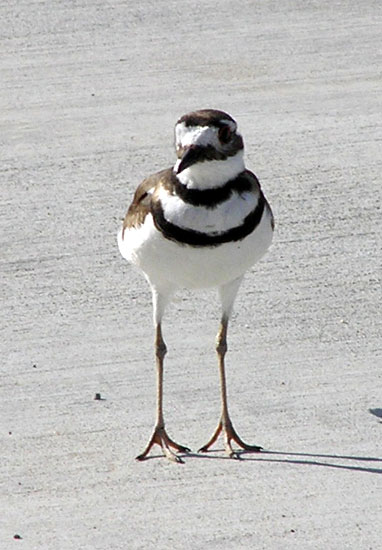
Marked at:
<point>190,155</point>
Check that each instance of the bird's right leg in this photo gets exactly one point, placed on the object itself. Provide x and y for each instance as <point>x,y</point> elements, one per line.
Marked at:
<point>159,435</point>
<point>227,293</point>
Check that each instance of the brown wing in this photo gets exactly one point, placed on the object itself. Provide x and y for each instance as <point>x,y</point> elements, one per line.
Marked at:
<point>140,206</point>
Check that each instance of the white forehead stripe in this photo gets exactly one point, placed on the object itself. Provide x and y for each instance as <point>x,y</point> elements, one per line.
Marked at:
<point>190,135</point>
<point>202,135</point>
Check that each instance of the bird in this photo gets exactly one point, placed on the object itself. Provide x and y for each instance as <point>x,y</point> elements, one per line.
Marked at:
<point>202,223</point>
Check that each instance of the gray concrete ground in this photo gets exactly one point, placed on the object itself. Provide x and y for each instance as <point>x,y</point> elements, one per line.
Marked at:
<point>89,94</point>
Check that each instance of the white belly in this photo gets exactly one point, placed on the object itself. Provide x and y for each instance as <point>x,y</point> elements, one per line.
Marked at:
<point>169,264</point>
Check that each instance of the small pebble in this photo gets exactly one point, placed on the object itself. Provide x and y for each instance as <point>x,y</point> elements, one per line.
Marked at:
<point>17,537</point>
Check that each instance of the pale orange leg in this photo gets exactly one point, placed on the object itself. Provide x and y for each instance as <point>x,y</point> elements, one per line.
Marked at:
<point>225,425</point>
<point>159,435</point>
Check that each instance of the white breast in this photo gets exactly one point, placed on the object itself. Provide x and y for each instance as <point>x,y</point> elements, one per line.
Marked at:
<point>224,216</point>
<point>170,265</point>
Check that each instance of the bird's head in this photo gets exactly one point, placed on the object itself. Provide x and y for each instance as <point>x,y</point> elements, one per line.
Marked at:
<point>209,148</point>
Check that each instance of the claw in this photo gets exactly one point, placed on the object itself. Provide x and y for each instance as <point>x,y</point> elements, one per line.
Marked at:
<point>161,438</point>
<point>230,434</point>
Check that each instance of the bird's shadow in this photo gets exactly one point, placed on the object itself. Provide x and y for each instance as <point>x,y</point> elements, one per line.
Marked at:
<point>376,412</point>
<point>348,462</point>
<point>306,459</point>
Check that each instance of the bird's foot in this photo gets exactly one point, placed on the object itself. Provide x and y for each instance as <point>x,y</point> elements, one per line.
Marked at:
<point>161,438</point>
<point>230,435</point>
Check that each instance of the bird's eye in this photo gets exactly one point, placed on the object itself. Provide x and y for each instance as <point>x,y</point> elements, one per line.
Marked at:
<point>225,134</point>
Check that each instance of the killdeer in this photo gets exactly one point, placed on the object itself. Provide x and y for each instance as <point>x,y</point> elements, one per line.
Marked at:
<point>201,223</point>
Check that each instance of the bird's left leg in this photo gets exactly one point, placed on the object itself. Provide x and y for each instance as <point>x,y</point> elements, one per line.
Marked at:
<point>160,436</point>
<point>225,426</point>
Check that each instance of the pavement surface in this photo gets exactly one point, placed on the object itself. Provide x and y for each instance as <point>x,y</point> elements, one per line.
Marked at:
<point>89,94</point>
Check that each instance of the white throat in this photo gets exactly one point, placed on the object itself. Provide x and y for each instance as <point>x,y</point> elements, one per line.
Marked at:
<point>211,173</point>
